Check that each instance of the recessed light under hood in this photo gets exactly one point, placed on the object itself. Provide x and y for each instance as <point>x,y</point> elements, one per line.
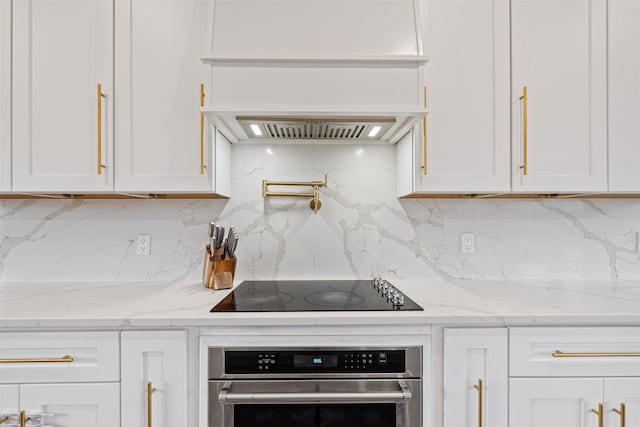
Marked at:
<point>278,73</point>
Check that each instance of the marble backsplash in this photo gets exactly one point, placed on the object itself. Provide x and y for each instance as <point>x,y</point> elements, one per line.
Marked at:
<point>362,229</point>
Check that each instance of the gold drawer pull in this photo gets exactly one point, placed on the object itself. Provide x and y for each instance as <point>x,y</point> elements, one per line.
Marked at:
<point>559,353</point>
<point>100,96</point>
<point>480,389</point>
<point>63,359</point>
<point>202,164</point>
<point>600,413</point>
<point>523,98</point>
<point>150,391</point>
<point>623,414</point>
<point>4,419</point>
<point>23,419</point>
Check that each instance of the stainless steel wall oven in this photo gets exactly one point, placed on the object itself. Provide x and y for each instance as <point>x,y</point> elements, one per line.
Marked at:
<point>315,387</point>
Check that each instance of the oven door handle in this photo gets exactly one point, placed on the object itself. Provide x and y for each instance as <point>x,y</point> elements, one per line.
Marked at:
<point>229,397</point>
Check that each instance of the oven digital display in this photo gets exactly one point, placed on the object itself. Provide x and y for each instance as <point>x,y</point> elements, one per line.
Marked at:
<point>315,361</point>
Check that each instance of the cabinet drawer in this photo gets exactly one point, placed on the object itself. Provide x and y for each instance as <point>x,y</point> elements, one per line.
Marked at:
<point>574,352</point>
<point>30,357</point>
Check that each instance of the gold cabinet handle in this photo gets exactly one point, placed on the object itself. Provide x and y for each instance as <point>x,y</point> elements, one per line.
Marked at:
<point>100,96</point>
<point>600,413</point>
<point>623,414</point>
<point>23,419</point>
<point>559,353</point>
<point>63,359</point>
<point>480,389</point>
<point>4,419</point>
<point>150,391</point>
<point>523,98</point>
<point>424,134</point>
<point>202,165</point>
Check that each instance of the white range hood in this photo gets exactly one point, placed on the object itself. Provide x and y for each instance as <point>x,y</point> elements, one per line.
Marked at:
<point>315,71</point>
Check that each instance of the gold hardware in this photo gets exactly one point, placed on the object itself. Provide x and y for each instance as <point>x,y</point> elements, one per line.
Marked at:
<point>623,414</point>
<point>150,391</point>
<point>523,98</point>
<point>559,353</point>
<point>315,203</point>
<point>63,359</point>
<point>4,419</point>
<point>100,96</point>
<point>424,135</point>
<point>23,419</point>
<point>600,414</point>
<point>480,389</point>
<point>202,165</point>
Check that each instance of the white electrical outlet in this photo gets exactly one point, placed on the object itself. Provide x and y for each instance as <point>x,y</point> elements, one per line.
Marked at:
<point>143,244</point>
<point>467,243</point>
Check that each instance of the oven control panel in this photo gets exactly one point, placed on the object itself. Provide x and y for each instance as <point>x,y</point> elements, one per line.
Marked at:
<point>310,361</point>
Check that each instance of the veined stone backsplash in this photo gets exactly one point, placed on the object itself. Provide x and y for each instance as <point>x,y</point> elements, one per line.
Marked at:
<point>362,229</point>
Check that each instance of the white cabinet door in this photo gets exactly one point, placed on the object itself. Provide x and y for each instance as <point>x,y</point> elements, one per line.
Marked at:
<point>559,54</point>
<point>554,402</point>
<point>9,404</point>
<point>62,50</point>
<point>475,377</point>
<point>468,137</point>
<point>75,404</point>
<point>158,75</point>
<point>624,92</point>
<point>5,96</point>
<point>158,360</point>
<point>619,392</point>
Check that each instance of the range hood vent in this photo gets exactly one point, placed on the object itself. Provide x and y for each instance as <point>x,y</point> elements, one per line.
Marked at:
<point>326,128</point>
<point>315,70</point>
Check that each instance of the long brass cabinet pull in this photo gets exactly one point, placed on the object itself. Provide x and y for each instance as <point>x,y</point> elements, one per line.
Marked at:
<point>623,414</point>
<point>600,413</point>
<point>480,389</point>
<point>63,359</point>
<point>150,391</point>
<point>523,98</point>
<point>100,96</point>
<point>424,135</point>
<point>23,419</point>
<point>559,353</point>
<point>202,165</point>
<point>4,419</point>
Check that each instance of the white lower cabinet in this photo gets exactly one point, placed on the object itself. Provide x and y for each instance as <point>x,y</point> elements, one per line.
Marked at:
<point>9,402</point>
<point>554,402</point>
<point>73,405</point>
<point>154,378</point>
<point>475,377</point>
<point>569,402</point>
<point>622,402</point>
<point>582,377</point>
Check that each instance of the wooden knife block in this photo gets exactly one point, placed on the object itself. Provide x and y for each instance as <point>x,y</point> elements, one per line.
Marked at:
<point>218,273</point>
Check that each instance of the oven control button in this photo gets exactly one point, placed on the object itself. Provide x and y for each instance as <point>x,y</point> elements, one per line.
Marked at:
<point>260,362</point>
<point>273,361</point>
<point>382,357</point>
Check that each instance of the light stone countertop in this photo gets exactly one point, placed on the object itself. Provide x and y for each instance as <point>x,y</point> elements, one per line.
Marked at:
<point>85,305</point>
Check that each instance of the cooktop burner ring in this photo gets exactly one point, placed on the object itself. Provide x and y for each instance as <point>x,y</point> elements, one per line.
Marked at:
<point>269,299</point>
<point>334,299</point>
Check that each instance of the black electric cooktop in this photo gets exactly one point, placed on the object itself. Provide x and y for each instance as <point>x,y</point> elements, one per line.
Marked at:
<point>316,295</point>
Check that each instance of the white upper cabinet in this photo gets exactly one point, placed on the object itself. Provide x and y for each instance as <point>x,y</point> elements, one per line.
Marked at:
<point>624,92</point>
<point>467,96</point>
<point>5,96</point>
<point>62,126</point>
<point>163,144</point>
<point>559,130</point>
